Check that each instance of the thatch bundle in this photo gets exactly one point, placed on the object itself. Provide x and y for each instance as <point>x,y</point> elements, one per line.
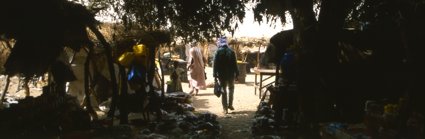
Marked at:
<point>41,30</point>
<point>123,38</point>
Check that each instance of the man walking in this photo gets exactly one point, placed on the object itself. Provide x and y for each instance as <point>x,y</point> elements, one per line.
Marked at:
<point>226,70</point>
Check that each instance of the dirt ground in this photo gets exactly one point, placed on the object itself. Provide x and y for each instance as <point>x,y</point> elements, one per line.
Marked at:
<point>236,124</point>
<point>16,92</point>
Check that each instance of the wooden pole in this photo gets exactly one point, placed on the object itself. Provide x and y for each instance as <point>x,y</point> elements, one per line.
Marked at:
<point>123,96</point>
<point>87,100</point>
<point>162,75</point>
<point>258,57</point>
<point>108,51</point>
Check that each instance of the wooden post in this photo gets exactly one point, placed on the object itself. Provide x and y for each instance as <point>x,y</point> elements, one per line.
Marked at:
<point>108,51</point>
<point>123,96</point>
<point>87,100</point>
<point>258,57</point>
<point>162,75</point>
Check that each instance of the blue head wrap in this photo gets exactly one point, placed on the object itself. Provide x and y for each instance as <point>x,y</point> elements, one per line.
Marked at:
<point>222,41</point>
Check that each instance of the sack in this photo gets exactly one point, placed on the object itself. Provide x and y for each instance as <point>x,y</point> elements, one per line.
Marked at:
<point>140,50</point>
<point>135,78</point>
<point>217,88</point>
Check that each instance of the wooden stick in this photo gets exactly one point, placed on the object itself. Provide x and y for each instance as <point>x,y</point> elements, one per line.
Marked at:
<point>108,51</point>
<point>162,76</point>
<point>123,96</point>
<point>86,99</point>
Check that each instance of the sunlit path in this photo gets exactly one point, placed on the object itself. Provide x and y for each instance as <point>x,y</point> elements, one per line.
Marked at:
<point>237,123</point>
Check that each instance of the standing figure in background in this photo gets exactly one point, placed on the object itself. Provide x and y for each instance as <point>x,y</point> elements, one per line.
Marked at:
<point>226,70</point>
<point>175,85</point>
<point>196,70</point>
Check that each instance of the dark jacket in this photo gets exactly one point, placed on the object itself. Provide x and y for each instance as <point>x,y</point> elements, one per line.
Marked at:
<point>224,66</point>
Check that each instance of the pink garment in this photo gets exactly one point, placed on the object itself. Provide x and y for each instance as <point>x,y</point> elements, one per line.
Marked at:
<point>196,71</point>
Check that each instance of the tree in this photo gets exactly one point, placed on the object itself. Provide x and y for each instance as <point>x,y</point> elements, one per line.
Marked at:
<point>189,20</point>
<point>391,28</point>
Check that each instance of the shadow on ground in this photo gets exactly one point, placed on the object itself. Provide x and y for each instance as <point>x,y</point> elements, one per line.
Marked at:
<point>236,124</point>
<point>200,103</point>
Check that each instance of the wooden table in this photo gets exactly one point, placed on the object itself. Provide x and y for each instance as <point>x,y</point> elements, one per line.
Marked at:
<point>259,84</point>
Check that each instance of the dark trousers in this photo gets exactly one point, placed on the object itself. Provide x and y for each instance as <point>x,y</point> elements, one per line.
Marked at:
<point>230,84</point>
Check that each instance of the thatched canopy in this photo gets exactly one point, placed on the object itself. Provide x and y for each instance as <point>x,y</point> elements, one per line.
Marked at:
<point>41,30</point>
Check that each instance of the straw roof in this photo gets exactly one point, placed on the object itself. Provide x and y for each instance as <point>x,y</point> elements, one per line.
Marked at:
<point>41,30</point>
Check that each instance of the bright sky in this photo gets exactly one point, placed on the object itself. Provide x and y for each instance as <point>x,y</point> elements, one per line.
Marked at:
<point>249,28</point>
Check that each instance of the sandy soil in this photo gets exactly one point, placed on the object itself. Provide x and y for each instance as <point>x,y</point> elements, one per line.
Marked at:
<point>18,92</point>
<point>237,123</point>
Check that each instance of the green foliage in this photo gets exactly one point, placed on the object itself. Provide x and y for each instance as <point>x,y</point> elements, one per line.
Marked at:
<point>271,9</point>
<point>188,19</point>
<point>373,11</point>
<point>274,9</point>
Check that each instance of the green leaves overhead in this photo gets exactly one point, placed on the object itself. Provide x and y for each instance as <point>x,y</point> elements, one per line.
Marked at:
<point>271,9</point>
<point>274,9</point>
<point>189,19</point>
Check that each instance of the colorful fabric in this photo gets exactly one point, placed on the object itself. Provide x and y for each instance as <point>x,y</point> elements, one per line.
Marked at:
<point>135,77</point>
<point>138,56</point>
<point>196,69</point>
<point>141,53</point>
<point>222,41</point>
<point>287,65</point>
<point>126,59</point>
<point>140,50</point>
